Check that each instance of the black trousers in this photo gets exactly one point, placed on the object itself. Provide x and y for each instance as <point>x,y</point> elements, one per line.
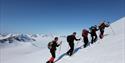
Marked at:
<point>53,53</point>
<point>101,33</point>
<point>70,51</point>
<point>94,38</point>
<point>85,41</point>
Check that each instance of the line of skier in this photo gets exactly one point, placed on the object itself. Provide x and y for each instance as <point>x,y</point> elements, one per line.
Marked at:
<point>70,39</point>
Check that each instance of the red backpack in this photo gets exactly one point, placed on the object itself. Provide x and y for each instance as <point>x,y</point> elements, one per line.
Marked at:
<point>85,33</point>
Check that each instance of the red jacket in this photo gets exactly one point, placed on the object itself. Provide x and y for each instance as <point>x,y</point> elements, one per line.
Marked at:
<point>85,33</point>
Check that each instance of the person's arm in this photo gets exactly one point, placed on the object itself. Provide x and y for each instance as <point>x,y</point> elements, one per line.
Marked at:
<point>88,32</point>
<point>107,24</point>
<point>76,38</point>
<point>58,44</point>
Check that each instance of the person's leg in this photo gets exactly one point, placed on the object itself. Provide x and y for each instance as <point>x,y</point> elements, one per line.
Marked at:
<point>53,56</point>
<point>95,37</point>
<point>85,41</point>
<point>92,37</point>
<point>68,52</point>
<point>101,34</point>
<point>72,48</point>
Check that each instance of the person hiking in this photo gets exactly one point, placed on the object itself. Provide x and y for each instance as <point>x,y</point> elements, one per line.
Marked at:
<point>70,40</point>
<point>93,30</point>
<point>52,46</point>
<point>101,27</point>
<point>85,37</point>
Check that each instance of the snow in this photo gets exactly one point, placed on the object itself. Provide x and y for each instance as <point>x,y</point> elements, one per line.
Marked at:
<point>110,49</point>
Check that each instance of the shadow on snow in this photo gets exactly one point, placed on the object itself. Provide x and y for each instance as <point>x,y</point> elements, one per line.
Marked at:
<point>61,56</point>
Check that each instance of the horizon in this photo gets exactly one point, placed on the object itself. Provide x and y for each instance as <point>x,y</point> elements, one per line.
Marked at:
<point>57,16</point>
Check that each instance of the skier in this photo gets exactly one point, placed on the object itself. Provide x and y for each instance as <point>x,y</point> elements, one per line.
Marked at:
<point>93,30</point>
<point>70,40</point>
<point>52,46</point>
<point>85,37</point>
<point>101,28</point>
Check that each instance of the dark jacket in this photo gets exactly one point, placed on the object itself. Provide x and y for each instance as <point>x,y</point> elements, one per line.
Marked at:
<point>71,38</point>
<point>102,26</point>
<point>93,30</point>
<point>54,45</point>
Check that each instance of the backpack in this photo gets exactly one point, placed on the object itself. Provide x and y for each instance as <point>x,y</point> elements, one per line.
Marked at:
<point>85,32</point>
<point>92,28</point>
<point>69,38</point>
<point>50,45</point>
<point>103,25</point>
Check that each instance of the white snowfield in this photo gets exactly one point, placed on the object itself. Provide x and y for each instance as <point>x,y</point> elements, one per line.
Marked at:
<point>110,49</point>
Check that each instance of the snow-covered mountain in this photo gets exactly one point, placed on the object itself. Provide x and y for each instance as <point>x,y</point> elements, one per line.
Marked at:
<point>41,35</point>
<point>110,49</point>
<point>22,37</point>
<point>15,37</point>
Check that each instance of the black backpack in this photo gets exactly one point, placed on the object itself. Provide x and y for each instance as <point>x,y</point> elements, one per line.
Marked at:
<point>69,38</point>
<point>50,45</point>
<point>92,28</point>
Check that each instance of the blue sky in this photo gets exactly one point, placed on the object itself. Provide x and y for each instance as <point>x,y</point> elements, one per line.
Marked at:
<point>56,16</point>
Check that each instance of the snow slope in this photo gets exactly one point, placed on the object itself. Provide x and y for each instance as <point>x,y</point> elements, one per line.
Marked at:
<point>111,49</point>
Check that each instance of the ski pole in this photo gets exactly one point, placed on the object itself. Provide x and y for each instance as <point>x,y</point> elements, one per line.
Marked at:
<point>78,42</point>
<point>111,28</point>
<point>60,47</point>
